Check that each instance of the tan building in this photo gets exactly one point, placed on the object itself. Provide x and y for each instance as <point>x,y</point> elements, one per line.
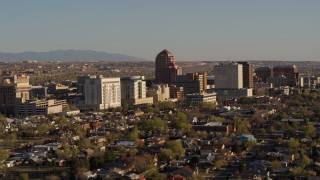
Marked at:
<point>13,89</point>
<point>38,107</point>
<point>247,73</point>
<point>159,93</point>
<point>199,98</point>
<point>102,93</point>
<point>134,91</point>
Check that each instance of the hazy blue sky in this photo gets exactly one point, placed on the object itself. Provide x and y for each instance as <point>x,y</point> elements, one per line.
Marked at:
<point>192,30</point>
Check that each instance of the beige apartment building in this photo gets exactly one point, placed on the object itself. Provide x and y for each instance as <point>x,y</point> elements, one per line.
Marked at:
<point>159,93</point>
<point>44,107</point>
<point>102,93</point>
<point>134,91</point>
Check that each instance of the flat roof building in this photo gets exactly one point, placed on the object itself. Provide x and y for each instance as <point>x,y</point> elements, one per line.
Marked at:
<point>102,93</point>
<point>134,90</point>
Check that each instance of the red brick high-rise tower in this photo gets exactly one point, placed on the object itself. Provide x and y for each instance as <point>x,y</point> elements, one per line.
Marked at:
<point>166,68</point>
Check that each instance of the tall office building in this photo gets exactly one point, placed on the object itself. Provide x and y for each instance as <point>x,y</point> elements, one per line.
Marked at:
<point>263,73</point>
<point>102,93</point>
<point>13,90</point>
<point>192,82</point>
<point>80,83</point>
<point>247,72</point>
<point>166,68</point>
<point>133,91</point>
<point>290,74</point>
<point>228,76</point>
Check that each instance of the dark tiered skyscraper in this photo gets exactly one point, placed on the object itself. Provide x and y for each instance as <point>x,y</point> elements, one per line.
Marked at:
<point>166,68</point>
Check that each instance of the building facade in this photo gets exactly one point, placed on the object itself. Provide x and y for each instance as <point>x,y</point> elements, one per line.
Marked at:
<point>290,73</point>
<point>166,68</point>
<point>247,74</point>
<point>192,82</point>
<point>263,73</point>
<point>199,98</point>
<point>13,89</point>
<point>228,76</point>
<point>159,93</point>
<point>176,92</point>
<point>134,90</point>
<point>38,107</point>
<point>102,93</point>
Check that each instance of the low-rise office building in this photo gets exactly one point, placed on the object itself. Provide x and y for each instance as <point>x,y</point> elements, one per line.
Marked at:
<point>199,98</point>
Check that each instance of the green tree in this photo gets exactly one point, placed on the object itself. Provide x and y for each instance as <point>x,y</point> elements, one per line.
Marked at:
<point>79,163</point>
<point>293,144</point>
<point>10,139</point>
<point>207,106</point>
<point>181,123</point>
<point>2,118</point>
<point>218,164</point>
<point>297,171</point>
<point>44,129</point>
<point>217,119</point>
<point>132,134</point>
<point>310,130</point>
<point>167,105</point>
<point>176,147</point>
<point>23,176</point>
<point>62,121</point>
<point>166,154</point>
<point>67,152</point>
<point>96,162</point>
<point>305,161</point>
<point>155,124</point>
<point>155,175</point>
<point>3,155</point>
<point>109,156</point>
<point>242,125</point>
<point>142,163</point>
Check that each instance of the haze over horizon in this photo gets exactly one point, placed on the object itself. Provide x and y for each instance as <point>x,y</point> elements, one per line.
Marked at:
<point>207,30</point>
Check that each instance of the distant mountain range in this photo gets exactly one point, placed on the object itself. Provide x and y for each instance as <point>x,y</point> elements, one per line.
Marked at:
<point>67,55</point>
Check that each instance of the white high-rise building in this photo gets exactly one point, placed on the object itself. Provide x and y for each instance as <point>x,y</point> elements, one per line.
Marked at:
<point>228,76</point>
<point>102,93</point>
<point>133,90</point>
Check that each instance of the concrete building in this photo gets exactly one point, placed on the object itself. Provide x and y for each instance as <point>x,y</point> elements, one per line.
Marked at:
<point>37,107</point>
<point>199,98</point>
<point>13,89</point>
<point>134,90</point>
<point>232,93</point>
<point>192,82</point>
<point>229,80</point>
<point>57,88</point>
<point>247,74</point>
<point>159,93</point>
<point>102,93</point>
<point>166,68</point>
<point>80,83</point>
<point>228,76</point>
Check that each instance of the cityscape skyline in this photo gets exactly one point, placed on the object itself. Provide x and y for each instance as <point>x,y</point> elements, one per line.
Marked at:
<point>209,30</point>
